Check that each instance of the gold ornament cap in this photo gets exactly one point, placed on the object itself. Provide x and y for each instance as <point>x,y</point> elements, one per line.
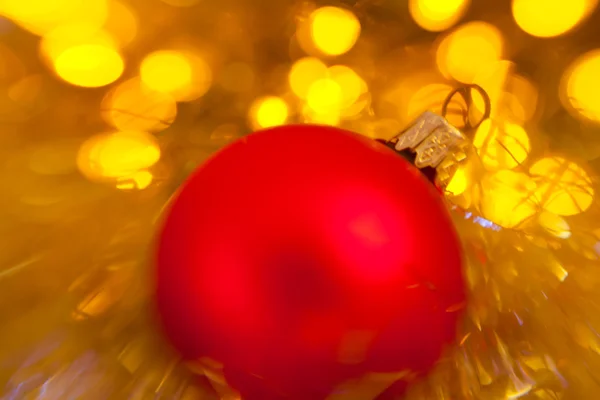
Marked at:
<point>434,143</point>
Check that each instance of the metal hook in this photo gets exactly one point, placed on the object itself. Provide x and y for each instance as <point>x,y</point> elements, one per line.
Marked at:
<point>465,93</point>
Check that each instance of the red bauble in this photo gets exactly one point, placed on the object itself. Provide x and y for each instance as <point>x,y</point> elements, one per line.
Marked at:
<point>304,256</point>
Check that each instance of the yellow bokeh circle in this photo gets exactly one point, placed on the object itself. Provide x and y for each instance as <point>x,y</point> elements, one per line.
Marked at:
<point>469,50</point>
<point>42,16</point>
<point>305,72</point>
<point>521,98</point>
<point>183,75</point>
<point>501,144</point>
<point>512,97</point>
<point>132,106</point>
<point>549,18</point>
<point>508,198</point>
<point>89,65</point>
<point>65,37</point>
<point>351,84</point>
<point>267,112</point>
<point>82,55</point>
<point>166,71</point>
<point>325,96</point>
<point>117,155</point>
<point>122,23</point>
<point>329,93</point>
<point>429,96</point>
<point>563,187</point>
<point>437,15</point>
<point>581,85</point>
<point>334,30</point>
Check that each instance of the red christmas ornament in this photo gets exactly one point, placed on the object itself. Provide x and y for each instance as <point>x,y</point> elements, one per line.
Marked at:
<point>301,257</point>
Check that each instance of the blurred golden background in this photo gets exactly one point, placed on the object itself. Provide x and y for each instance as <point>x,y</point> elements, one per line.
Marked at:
<point>107,105</point>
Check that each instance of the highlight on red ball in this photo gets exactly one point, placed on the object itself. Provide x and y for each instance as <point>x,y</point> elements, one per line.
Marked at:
<point>303,258</point>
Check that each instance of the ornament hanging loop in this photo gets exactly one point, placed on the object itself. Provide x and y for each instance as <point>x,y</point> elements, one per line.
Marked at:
<point>434,145</point>
<point>431,140</point>
<point>467,95</point>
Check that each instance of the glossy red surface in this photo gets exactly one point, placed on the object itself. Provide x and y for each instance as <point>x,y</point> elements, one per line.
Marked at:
<point>303,256</point>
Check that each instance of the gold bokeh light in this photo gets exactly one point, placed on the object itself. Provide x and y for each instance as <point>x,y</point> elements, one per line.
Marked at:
<point>166,72</point>
<point>512,97</point>
<point>137,181</point>
<point>501,144</point>
<point>89,65</point>
<point>132,106</point>
<point>437,15</point>
<point>549,18</point>
<point>459,182</point>
<point>183,75</point>
<point>351,84</point>
<point>563,187</point>
<point>122,23</point>
<point>325,96</point>
<point>554,225</point>
<point>493,79</point>
<point>468,50</point>
<point>509,199</point>
<point>520,98</point>
<point>581,85</point>
<point>418,91</point>
<point>267,112</point>
<point>43,16</point>
<point>58,40</point>
<point>83,55</point>
<point>113,156</point>
<point>329,94</point>
<point>304,73</point>
<point>334,31</point>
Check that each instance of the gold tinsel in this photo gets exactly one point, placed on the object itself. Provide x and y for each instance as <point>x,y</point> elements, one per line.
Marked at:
<point>107,105</point>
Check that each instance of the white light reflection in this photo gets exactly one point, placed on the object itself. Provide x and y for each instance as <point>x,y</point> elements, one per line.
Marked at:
<point>482,222</point>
